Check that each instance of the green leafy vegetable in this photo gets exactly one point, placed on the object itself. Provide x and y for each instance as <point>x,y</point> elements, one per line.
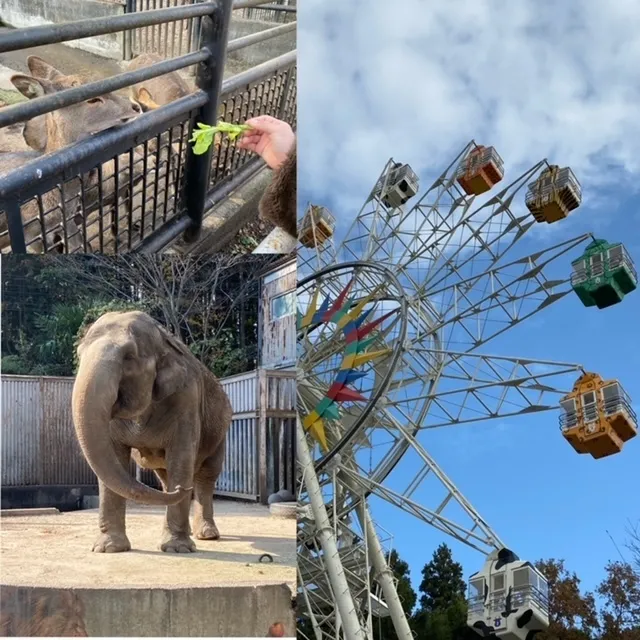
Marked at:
<point>203,136</point>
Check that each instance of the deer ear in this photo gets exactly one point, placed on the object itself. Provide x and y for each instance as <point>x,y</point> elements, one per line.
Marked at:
<point>30,87</point>
<point>35,133</point>
<point>41,69</point>
<point>146,101</point>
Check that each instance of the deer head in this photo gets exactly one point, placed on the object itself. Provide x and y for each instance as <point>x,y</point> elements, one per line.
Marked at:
<point>75,122</point>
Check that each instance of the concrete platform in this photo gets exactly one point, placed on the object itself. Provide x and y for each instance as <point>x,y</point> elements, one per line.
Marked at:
<point>52,584</point>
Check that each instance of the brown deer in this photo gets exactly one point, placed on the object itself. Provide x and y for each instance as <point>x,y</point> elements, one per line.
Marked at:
<point>35,135</point>
<point>157,92</point>
<point>62,127</point>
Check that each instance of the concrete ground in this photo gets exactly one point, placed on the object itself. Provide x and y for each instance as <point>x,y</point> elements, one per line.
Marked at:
<point>53,585</point>
<point>55,551</point>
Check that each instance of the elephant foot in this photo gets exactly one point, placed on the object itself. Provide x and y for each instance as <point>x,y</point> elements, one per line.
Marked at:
<point>178,544</point>
<point>207,531</point>
<point>111,543</point>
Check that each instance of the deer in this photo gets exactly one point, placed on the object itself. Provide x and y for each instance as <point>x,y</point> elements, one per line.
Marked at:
<point>49,133</point>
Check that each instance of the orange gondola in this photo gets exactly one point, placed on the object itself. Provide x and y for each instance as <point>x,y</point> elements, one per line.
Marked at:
<point>480,171</point>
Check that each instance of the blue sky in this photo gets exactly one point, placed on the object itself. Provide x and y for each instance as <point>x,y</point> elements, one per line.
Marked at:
<point>534,79</point>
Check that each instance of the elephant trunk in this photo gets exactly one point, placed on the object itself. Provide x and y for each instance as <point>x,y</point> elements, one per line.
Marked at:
<point>95,393</point>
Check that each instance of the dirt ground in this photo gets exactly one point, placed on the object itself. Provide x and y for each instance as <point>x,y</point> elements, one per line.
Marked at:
<point>55,550</point>
<point>250,236</point>
<point>70,60</point>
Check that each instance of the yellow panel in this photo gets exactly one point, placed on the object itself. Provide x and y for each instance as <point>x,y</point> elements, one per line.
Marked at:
<point>357,310</point>
<point>307,421</point>
<point>622,427</point>
<point>348,362</point>
<point>311,311</point>
<point>317,432</point>
<point>367,357</point>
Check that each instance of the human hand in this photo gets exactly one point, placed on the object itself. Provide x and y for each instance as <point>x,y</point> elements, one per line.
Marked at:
<point>270,138</point>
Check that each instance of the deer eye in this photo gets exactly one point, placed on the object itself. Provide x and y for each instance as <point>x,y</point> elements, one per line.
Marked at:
<point>95,101</point>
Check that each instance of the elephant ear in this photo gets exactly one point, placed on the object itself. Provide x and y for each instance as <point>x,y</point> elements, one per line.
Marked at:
<point>81,335</point>
<point>171,370</point>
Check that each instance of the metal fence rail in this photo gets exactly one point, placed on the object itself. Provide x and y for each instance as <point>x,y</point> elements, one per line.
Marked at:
<point>168,39</point>
<point>269,88</point>
<point>274,11</point>
<point>138,186</point>
<point>39,445</point>
<point>180,37</point>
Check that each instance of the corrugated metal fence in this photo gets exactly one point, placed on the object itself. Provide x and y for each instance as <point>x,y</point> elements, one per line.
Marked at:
<point>39,445</point>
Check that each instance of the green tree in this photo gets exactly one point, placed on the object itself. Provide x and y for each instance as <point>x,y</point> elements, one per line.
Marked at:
<point>383,627</point>
<point>442,583</point>
<point>443,608</point>
<point>212,304</point>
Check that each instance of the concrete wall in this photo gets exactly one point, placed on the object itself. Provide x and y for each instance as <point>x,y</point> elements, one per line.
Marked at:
<point>262,51</point>
<point>64,498</point>
<point>225,611</point>
<point>33,13</point>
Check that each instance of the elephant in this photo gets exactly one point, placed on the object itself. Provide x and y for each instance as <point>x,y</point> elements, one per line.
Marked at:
<point>140,391</point>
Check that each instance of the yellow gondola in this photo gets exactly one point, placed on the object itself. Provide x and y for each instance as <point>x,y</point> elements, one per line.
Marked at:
<point>553,195</point>
<point>597,416</point>
<point>317,226</point>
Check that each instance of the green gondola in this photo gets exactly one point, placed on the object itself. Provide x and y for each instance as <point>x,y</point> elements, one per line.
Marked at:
<point>603,275</point>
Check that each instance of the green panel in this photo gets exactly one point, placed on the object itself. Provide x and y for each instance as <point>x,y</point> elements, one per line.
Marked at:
<point>607,295</point>
<point>625,280</point>
<point>584,295</point>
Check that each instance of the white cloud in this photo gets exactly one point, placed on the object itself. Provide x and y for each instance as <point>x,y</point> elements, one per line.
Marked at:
<point>417,80</point>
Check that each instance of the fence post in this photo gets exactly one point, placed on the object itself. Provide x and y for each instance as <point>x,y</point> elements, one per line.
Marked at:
<point>127,36</point>
<point>214,35</point>
<point>15,228</point>
<point>262,436</point>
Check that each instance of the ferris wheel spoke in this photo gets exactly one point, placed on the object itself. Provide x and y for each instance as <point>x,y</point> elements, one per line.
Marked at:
<point>483,237</point>
<point>478,309</point>
<point>475,533</point>
<point>476,387</point>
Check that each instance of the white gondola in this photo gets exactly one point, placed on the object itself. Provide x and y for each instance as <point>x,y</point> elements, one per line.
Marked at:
<point>508,598</point>
<point>401,185</point>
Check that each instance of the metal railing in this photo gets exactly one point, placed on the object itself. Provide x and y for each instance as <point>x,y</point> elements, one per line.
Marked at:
<point>139,186</point>
<point>181,36</point>
<point>274,11</point>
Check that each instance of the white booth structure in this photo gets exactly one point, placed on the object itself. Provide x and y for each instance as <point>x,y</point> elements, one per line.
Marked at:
<point>508,598</point>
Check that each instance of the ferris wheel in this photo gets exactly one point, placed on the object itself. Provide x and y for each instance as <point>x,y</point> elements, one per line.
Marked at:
<point>392,333</point>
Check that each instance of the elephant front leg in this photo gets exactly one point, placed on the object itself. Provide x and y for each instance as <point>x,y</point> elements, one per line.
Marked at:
<point>204,526</point>
<point>176,536</point>
<point>113,508</point>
